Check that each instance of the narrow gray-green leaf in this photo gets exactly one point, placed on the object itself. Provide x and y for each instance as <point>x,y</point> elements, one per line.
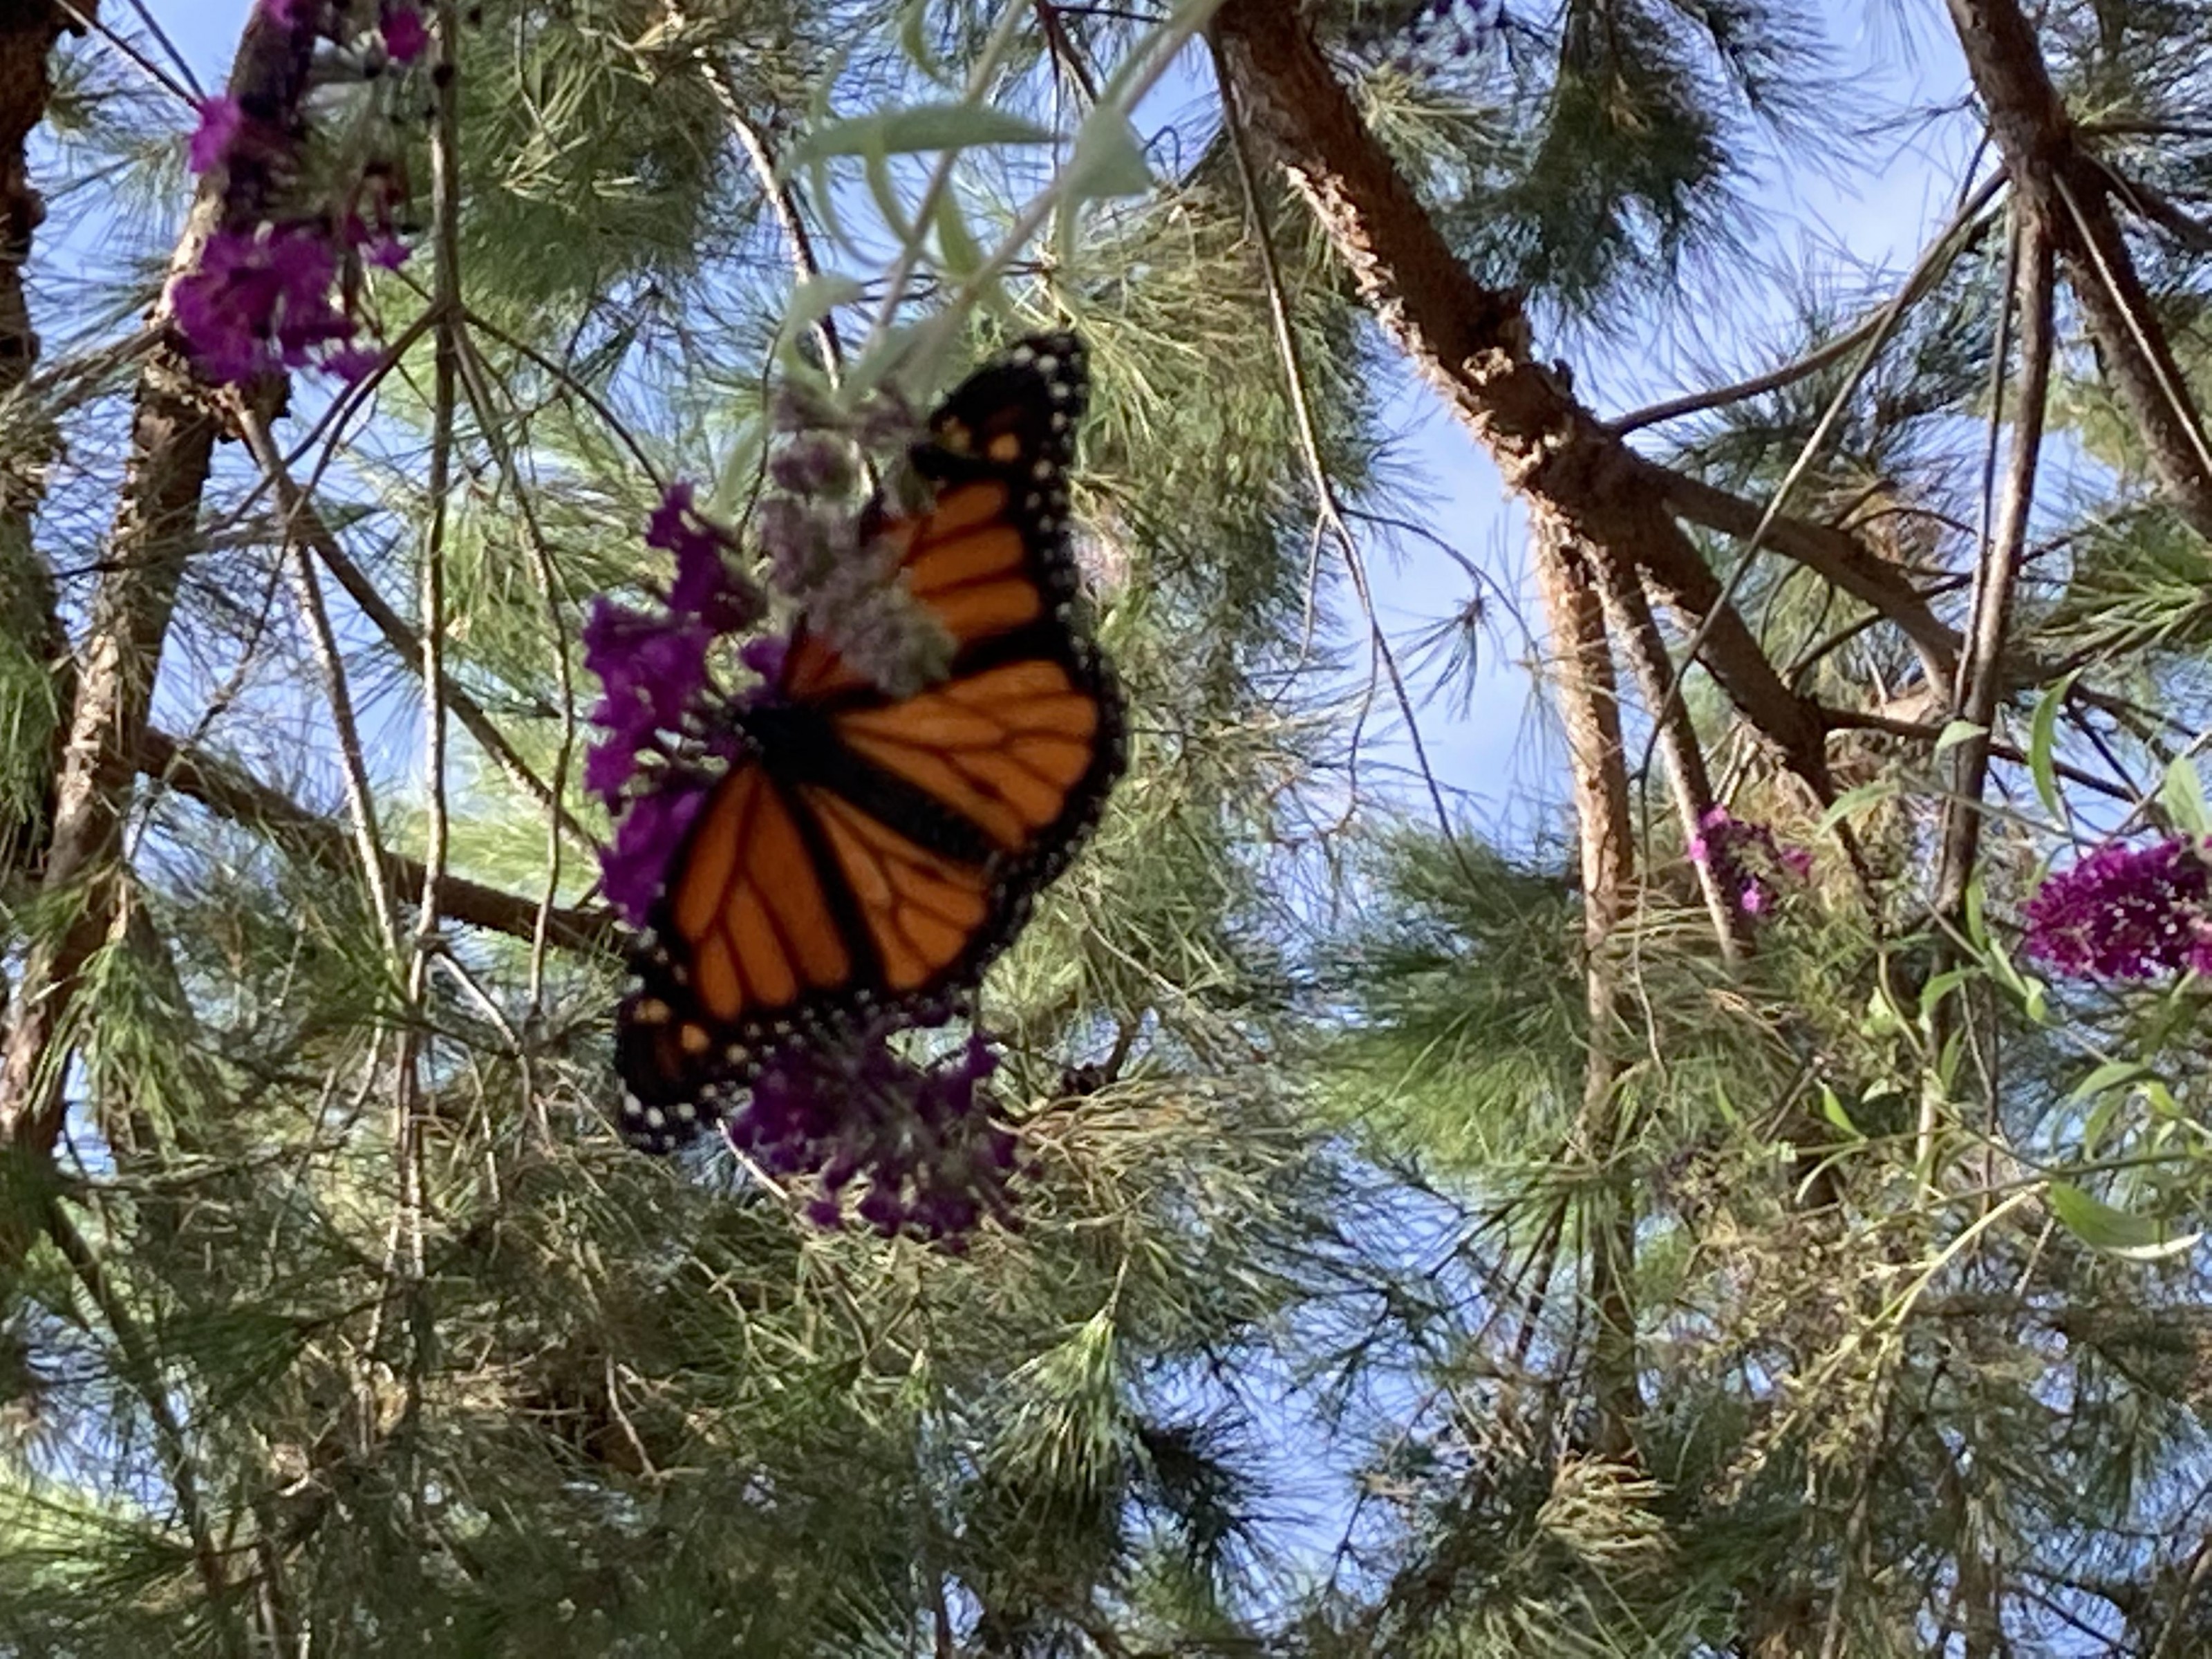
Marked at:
<point>923,127</point>
<point>2043,743</point>
<point>1108,160</point>
<point>2117,1232</point>
<point>2182,794</point>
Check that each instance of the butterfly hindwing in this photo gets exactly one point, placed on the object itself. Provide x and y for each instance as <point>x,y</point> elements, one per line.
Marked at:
<point>873,851</point>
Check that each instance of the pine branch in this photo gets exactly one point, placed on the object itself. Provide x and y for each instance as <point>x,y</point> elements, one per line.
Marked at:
<point>2068,192</point>
<point>1472,343</point>
<point>1683,755</point>
<point>1964,229</point>
<point>141,1365</point>
<point>304,520</point>
<point>1327,497</point>
<point>1981,674</point>
<point>230,792</point>
<point>1834,555</point>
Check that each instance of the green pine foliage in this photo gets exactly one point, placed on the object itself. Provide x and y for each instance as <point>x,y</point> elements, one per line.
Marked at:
<point>1413,1252</point>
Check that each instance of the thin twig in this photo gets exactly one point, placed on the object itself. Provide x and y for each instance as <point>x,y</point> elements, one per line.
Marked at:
<point>1294,383</point>
<point>576,389</point>
<point>2139,330</point>
<point>476,381</point>
<point>782,202</point>
<point>1981,677</point>
<point>147,66</point>
<point>308,594</point>
<point>1877,336</point>
<point>228,791</point>
<point>408,645</point>
<point>141,1364</point>
<point>1954,240</point>
<point>154,27</point>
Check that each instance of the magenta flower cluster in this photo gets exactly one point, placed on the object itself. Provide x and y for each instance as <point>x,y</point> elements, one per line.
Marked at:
<point>266,294</point>
<point>399,23</point>
<point>661,716</point>
<point>261,299</point>
<point>406,37</point>
<point>2127,913</point>
<point>915,1142</point>
<point>1747,859</point>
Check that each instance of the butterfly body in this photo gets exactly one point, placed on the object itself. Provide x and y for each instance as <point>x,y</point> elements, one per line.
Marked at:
<point>865,851</point>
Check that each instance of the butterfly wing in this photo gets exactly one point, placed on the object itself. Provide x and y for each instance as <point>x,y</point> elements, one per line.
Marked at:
<point>876,852</point>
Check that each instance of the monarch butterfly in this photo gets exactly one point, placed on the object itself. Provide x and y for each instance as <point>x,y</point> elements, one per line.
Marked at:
<point>867,854</point>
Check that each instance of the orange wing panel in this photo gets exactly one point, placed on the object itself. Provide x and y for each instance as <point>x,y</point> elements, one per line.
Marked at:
<point>1002,748</point>
<point>920,908</point>
<point>748,917</point>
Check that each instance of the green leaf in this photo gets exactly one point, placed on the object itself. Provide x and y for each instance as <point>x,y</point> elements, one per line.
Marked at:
<point>2112,1074</point>
<point>913,39</point>
<point>956,248</point>
<point>1947,1062</point>
<point>1940,987</point>
<point>923,127</point>
<point>2043,743</point>
<point>1957,733</point>
<point>737,479</point>
<point>1108,160</point>
<point>2182,794</point>
<point>813,300</point>
<point>885,188</point>
<point>2117,1232</point>
<point>1833,1109</point>
<point>901,349</point>
<point>1883,1017</point>
<point>1852,800</point>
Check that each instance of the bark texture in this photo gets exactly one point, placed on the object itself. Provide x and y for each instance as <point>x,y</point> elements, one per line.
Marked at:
<point>30,616</point>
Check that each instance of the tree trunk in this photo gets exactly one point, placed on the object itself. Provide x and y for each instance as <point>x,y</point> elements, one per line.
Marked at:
<point>174,427</point>
<point>33,648</point>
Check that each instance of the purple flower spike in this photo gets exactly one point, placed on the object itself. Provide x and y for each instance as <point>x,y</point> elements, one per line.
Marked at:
<point>609,765</point>
<point>354,364</point>
<point>221,121</point>
<point>260,302</point>
<point>764,655</point>
<point>1745,857</point>
<point>632,869</point>
<point>2126,913</point>
<point>665,526</point>
<point>705,587</point>
<point>651,667</point>
<point>404,36</point>
<point>916,1141</point>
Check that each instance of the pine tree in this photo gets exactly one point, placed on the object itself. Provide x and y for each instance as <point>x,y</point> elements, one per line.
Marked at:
<point>1754,1215</point>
